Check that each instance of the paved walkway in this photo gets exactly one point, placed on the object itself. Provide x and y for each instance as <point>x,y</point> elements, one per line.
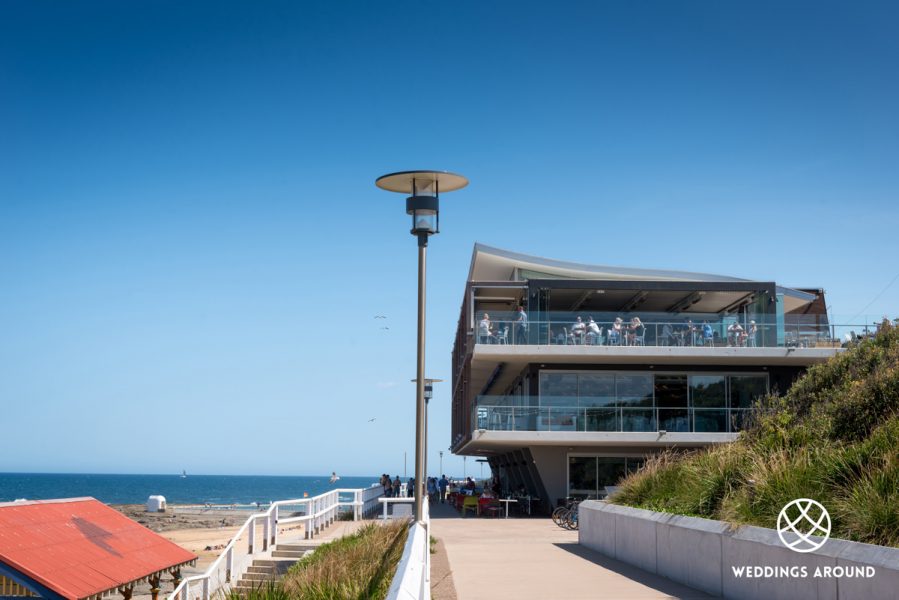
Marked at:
<point>533,558</point>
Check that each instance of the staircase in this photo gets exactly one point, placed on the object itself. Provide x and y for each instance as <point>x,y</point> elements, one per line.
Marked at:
<point>267,570</point>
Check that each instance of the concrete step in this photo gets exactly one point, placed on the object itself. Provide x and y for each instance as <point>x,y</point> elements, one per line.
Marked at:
<point>262,569</point>
<point>295,547</point>
<point>295,554</point>
<point>259,577</point>
<point>273,562</point>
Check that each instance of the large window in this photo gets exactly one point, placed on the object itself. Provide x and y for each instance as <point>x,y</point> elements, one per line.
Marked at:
<point>588,476</point>
<point>708,394</point>
<point>646,401</point>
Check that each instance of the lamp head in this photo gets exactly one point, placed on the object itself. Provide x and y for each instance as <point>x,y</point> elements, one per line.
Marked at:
<point>424,202</point>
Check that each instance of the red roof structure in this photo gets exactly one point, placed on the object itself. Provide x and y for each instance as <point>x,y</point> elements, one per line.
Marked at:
<point>80,548</point>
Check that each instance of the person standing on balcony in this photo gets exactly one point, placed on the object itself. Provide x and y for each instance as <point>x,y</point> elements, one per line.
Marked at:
<point>484,330</point>
<point>752,333</point>
<point>594,332</point>
<point>396,487</point>
<point>521,326</point>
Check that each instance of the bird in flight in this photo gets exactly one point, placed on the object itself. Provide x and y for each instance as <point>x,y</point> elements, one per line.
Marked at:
<point>385,328</point>
<point>380,317</point>
<point>372,419</point>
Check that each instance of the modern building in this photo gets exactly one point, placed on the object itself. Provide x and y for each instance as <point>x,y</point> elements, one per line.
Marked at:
<point>568,393</point>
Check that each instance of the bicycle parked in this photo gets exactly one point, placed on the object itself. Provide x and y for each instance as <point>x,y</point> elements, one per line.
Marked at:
<point>566,516</point>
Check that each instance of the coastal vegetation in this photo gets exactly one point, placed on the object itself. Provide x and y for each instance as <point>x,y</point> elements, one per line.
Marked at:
<point>354,567</point>
<point>833,437</point>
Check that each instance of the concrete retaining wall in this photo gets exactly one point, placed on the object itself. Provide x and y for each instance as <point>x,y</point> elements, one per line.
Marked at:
<point>702,553</point>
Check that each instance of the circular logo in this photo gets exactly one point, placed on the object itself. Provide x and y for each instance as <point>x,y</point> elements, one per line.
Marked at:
<point>799,520</point>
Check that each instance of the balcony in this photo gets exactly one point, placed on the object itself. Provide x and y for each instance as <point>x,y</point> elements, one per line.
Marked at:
<point>490,417</point>
<point>663,330</point>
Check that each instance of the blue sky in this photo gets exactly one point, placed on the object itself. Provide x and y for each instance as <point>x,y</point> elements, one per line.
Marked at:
<point>192,248</point>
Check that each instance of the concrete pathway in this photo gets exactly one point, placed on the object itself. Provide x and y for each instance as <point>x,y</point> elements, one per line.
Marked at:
<point>530,558</point>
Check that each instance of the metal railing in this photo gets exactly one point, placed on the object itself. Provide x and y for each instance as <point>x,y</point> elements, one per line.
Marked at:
<point>609,419</point>
<point>317,513</point>
<point>662,330</point>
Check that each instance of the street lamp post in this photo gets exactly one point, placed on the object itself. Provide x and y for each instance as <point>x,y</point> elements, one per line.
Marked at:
<point>441,463</point>
<point>429,393</point>
<point>423,205</point>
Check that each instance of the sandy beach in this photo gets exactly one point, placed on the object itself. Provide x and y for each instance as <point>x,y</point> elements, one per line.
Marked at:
<point>205,532</point>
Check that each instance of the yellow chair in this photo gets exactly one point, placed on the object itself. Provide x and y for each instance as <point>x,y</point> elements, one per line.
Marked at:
<point>470,503</point>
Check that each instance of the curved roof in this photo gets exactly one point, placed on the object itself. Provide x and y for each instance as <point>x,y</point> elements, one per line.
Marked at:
<point>495,264</point>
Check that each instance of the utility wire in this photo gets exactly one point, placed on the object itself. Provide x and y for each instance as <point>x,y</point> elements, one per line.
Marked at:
<point>876,297</point>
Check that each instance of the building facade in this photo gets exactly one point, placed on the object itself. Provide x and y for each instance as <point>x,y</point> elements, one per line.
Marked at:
<point>566,376</point>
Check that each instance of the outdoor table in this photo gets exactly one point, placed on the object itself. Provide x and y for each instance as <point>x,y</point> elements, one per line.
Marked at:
<point>508,501</point>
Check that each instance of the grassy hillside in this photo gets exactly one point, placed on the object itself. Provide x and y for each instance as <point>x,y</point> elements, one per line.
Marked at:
<point>833,437</point>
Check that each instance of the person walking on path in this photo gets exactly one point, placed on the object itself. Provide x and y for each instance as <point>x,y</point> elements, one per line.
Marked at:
<point>444,482</point>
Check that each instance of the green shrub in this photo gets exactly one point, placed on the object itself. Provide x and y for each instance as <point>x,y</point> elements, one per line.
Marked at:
<point>834,437</point>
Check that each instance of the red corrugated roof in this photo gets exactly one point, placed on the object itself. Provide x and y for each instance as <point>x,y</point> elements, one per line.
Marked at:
<point>80,547</point>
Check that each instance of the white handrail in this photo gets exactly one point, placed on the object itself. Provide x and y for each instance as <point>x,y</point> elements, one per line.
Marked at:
<point>412,580</point>
<point>320,511</point>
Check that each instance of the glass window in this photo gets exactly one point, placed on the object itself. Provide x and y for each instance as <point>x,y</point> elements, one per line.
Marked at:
<point>596,389</point>
<point>610,470</point>
<point>746,389</point>
<point>710,420</point>
<point>634,390</point>
<point>635,464</point>
<point>638,419</point>
<point>674,419</point>
<point>582,476</point>
<point>708,391</point>
<point>671,391</point>
<point>601,419</point>
<point>558,389</point>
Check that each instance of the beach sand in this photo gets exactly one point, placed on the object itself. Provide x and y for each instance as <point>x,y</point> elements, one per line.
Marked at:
<point>206,533</point>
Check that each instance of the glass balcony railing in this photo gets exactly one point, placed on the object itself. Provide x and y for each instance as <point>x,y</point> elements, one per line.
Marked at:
<point>609,419</point>
<point>666,329</point>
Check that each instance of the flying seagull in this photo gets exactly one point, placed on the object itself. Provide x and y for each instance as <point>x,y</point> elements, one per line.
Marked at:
<point>380,317</point>
<point>372,419</point>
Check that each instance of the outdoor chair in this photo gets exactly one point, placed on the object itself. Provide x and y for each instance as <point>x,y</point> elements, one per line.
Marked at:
<point>639,339</point>
<point>470,503</point>
<point>489,506</point>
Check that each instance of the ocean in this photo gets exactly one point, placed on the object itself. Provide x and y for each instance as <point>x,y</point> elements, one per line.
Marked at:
<point>193,489</point>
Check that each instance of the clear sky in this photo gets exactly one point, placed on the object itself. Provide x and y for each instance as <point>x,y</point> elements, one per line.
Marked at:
<point>192,248</point>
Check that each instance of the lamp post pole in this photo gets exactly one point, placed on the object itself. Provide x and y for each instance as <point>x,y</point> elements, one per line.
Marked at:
<point>429,393</point>
<point>423,205</point>
<point>441,463</point>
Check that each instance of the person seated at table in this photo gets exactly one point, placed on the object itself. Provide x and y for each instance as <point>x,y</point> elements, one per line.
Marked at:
<point>635,330</point>
<point>485,331</point>
<point>578,329</point>
<point>594,331</point>
<point>735,334</point>
<point>615,331</point>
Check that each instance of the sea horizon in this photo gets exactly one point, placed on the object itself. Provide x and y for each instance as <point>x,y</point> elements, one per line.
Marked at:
<point>136,488</point>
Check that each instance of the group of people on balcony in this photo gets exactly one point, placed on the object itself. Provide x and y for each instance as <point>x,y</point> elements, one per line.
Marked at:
<point>704,335</point>
<point>488,334</point>
<point>619,332</point>
<point>591,333</point>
